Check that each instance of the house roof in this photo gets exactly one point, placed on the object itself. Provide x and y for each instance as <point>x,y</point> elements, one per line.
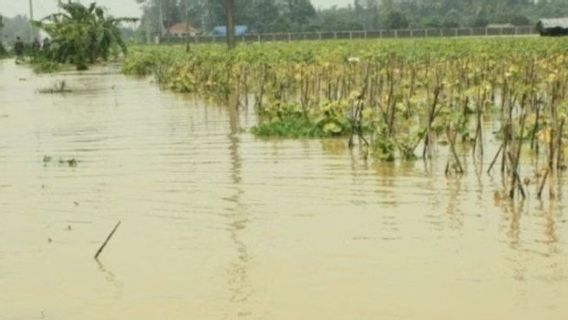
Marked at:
<point>553,23</point>
<point>222,30</point>
<point>500,25</point>
<point>182,28</point>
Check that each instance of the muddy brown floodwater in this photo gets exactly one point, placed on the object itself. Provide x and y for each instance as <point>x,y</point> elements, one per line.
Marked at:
<point>219,225</point>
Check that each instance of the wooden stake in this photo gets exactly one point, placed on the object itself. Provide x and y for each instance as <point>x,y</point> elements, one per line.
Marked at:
<point>495,159</point>
<point>106,241</point>
<point>539,195</point>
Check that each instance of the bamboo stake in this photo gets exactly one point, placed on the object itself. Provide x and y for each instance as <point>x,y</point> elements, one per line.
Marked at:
<point>452,140</point>
<point>106,241</point>
<point>539,195</point>
<point>495,159</point>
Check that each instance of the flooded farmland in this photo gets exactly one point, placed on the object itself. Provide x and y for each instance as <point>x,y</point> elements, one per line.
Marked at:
<point>217,224</point>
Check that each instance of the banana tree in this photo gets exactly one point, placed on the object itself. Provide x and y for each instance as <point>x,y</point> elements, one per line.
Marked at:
<point>81,35</point>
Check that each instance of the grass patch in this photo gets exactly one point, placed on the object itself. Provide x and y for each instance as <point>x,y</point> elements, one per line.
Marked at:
<point>289,128</point>
<point>45,66</point>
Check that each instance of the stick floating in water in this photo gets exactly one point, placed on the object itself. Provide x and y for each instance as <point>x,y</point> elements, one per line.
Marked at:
<point>107,240</point>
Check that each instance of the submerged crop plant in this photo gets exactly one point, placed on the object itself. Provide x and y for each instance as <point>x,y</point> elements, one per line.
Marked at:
<point>398,99</point>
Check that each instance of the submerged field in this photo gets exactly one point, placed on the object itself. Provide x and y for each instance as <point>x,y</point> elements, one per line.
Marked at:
<point>395,99</point>
<point>219,222</point>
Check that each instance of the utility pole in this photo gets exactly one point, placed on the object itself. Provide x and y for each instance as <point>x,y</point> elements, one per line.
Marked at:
<point>230,25</point>
<point>1,27</point>
<point>205,11</point>
<point>187,25</point>
<point>32,31</point>
<point>161,17</point>
<point>148,31</point>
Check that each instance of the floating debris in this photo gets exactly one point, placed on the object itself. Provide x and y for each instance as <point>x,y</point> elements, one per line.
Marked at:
<point>72,163</point>
<point>59,87</point>
<point>69,162</point>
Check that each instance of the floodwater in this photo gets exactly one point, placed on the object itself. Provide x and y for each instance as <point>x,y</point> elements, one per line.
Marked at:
<point>219,225</point>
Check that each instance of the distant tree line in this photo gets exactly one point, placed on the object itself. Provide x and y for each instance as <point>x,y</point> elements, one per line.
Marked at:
<point>257,15</point>
<point>3,51</point>
<point>10,28</point>
<point>301,15</point>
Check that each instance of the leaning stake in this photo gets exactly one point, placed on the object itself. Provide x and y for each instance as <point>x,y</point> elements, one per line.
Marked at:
<point>107,240</point>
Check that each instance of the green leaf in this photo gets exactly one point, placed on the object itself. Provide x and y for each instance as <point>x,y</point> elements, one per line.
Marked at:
<point>332,128</point>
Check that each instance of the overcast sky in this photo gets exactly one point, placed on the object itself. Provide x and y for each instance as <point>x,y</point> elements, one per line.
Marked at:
<point>42,8</point>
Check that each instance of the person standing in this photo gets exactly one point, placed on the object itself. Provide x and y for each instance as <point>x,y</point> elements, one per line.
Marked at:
<point>46,44</point>
<point>19,49</point>
<point>36,45</point>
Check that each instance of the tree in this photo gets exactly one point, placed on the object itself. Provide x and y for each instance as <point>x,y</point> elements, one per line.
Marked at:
<point>80,35</point>
<point>3,51</point>
<point>300,12</point>
<point>358,8</point>
<point>431,22</point>
<point>480,22</point>
<point>216,12</point>
<point>334,19</point>
<point>519,20</point>
<point>300,15</point>
<point>396,20</point>
<point>372,19</point>
<point>159,15</point>
<point>452,19</point>
<point>267,14</point>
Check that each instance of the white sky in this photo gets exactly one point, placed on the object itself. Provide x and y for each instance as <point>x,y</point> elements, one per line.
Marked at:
<point>42,8</point>
<point>129,8</point>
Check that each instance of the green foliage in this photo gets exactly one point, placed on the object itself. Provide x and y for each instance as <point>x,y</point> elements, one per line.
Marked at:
<point>42,65</point>
<point>82,35</point>
<point>331,118</point>
<point>267,15</point>
<point>337,19</point>
<point>519,20</point>
<point>3,51</point>
<point>395,94</point>
<point>292,121</point>
<point>396,20</point>
<point>384,148</point>
<point>299,12</point>
<point>140,63</point>
<point>289,128</point>
<point>286,120</point>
